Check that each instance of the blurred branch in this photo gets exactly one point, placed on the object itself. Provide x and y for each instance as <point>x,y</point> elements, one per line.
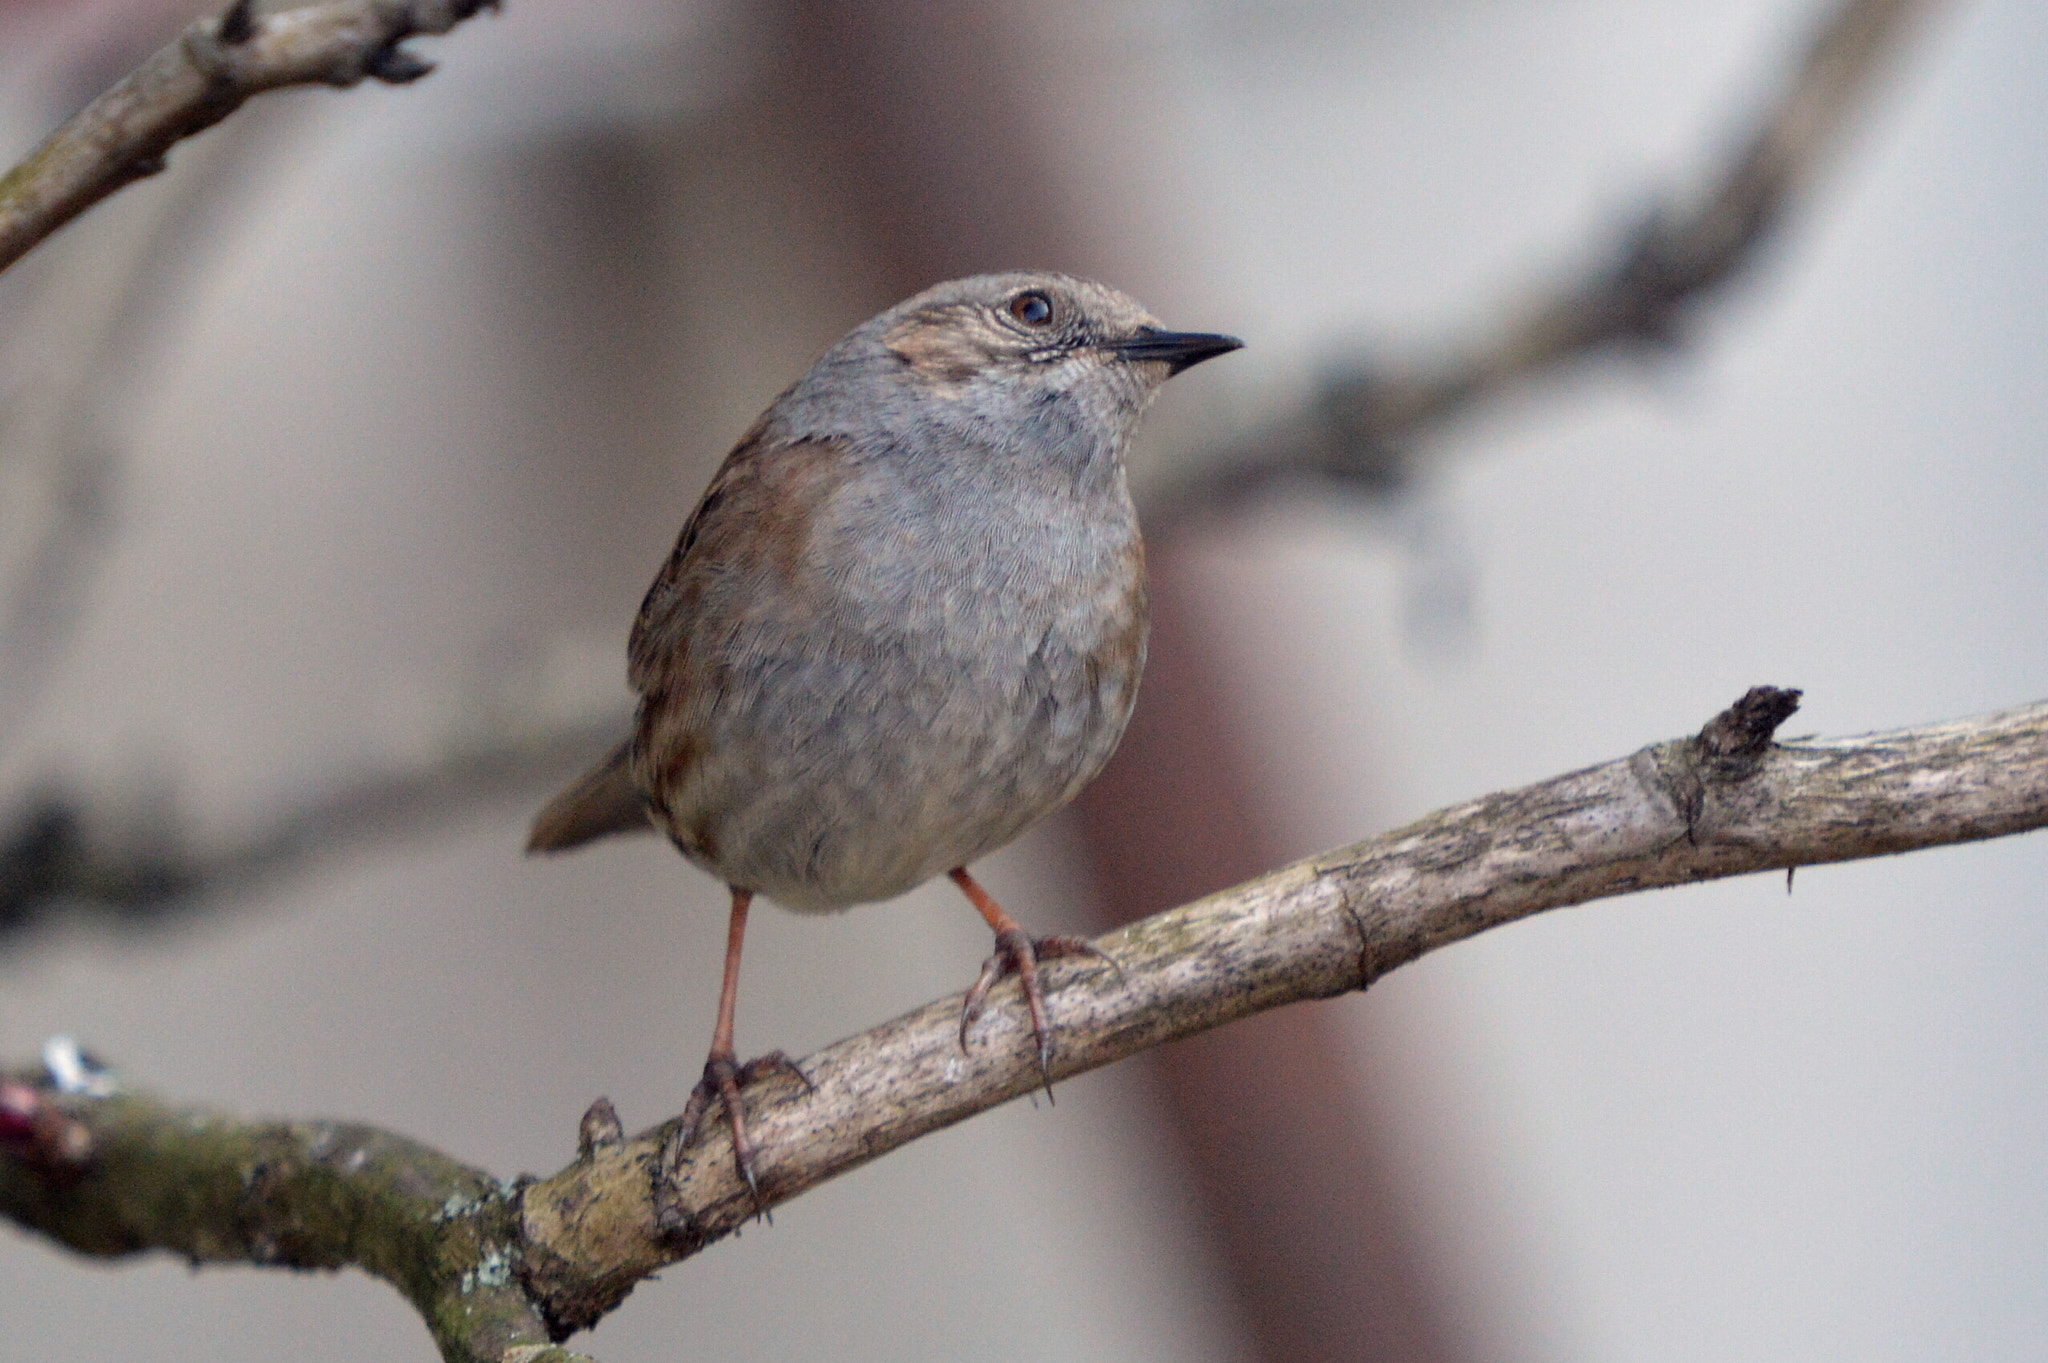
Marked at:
<point>78,326</point>
<point>75,326</point>
<point>1361,424</point>
<point>196,81</point>
<point>1725,802</point>
<point>57,850</point>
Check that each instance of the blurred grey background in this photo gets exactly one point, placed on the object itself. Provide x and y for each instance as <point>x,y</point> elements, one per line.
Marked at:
<point>359,433</point>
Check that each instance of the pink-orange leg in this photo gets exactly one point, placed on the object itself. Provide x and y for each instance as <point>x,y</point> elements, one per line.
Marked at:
<point>723,1076</point>
<point>1017,953</point>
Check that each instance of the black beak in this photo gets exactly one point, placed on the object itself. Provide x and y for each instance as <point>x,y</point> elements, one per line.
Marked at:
<point>1179,349</point>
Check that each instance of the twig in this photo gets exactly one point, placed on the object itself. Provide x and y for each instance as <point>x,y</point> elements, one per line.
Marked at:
<point>54,854</point>
<point>1362,423</point>
<point>196,81</point>
<point>73,340</point>
<point>1726,802</point>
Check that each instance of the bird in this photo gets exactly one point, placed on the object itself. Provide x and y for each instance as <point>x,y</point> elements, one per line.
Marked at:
<point>905,622</point>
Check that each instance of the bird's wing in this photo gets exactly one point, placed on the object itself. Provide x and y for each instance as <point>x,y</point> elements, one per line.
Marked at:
<point>750,519</point>
<point>754,519</point>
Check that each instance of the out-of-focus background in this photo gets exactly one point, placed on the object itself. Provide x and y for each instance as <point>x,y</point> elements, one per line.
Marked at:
<point>350,443</point>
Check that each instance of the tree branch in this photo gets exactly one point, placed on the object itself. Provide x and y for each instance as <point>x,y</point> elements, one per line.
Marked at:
<point>1725,802</point>
<point>302,1195</point>
<point>1361,424</point>
<point>55,851</point>
<point>196,81</point>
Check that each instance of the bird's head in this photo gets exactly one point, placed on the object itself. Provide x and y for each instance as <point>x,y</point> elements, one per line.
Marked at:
<point>1068,359</point>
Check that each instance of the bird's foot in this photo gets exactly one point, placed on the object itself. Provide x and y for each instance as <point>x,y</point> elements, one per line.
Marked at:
<point>723,1079</point>
<point>1019,954</point>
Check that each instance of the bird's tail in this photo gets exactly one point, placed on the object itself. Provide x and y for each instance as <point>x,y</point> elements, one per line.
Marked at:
<point>598,804</point>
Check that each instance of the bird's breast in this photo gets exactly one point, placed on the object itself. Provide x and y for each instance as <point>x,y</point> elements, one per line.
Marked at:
<point>927,678</point>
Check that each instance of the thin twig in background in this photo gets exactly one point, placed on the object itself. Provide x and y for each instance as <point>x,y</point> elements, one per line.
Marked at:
<point>76,326</point>
<point>56,850</point>
<point>1362,424</point>
<point>490,1266</point>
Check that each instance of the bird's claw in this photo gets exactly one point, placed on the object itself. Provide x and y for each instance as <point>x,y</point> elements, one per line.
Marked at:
<point>1019,954</point>
<point>723,1079</point>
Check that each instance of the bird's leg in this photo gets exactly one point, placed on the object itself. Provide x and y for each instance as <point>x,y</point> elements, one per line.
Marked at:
<point>1017,953</point>
<point>724,1077</point>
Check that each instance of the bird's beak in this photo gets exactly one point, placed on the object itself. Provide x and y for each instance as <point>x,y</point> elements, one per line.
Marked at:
<point>1179,349</point>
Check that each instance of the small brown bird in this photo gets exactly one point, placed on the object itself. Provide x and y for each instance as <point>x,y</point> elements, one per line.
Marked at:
<point>904,624</point>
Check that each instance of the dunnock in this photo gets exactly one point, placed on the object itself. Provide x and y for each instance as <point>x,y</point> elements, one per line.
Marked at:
<point>904,624</point>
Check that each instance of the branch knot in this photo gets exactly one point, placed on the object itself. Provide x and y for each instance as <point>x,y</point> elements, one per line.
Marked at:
<point>1727,752</point>
<point>1735,741</point>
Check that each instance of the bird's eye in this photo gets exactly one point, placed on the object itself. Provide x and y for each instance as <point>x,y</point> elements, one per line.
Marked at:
<point>1032,308</point>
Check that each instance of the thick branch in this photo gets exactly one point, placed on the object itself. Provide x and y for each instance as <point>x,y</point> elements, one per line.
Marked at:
<point>300,1195</point>
<point>198,80</point>
<point>1725,802</point>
